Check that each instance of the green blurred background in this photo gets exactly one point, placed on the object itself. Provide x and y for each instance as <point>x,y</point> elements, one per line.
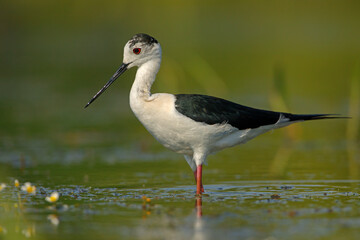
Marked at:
<point>56,54</point>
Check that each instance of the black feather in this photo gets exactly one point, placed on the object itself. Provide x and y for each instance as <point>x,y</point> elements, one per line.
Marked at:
<point>143,38</point>
<point>213,110</point>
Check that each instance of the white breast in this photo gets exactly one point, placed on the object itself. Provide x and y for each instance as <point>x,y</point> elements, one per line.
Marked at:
<point>174,130</point>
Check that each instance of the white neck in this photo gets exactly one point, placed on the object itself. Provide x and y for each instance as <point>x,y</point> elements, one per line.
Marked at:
<point>145,77</point>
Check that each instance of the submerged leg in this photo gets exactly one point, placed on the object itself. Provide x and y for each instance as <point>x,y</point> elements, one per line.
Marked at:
<point>195,168</point>
<point>198,179</point>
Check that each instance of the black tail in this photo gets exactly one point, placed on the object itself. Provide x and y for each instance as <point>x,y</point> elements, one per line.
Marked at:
<point>305,117</point>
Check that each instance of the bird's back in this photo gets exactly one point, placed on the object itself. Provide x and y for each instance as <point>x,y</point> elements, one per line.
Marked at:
<point>213,110</point>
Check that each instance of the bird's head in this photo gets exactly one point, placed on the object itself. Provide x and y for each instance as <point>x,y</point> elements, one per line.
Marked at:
<point>140,49</point>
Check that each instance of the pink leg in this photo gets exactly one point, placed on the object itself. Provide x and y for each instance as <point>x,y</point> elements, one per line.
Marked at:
<point>198,179</point>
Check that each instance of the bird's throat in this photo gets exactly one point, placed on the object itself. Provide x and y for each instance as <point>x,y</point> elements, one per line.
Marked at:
<point>145,77</point>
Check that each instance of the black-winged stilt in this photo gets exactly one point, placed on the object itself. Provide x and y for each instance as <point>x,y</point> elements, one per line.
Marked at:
<point>192,124</point>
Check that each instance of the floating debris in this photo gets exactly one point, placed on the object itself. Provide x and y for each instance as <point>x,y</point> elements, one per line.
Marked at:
<point>53,197</point>
<point>27,187</point>
<point>275,196</point>
<point>16,183</point>
<point>146,199</point>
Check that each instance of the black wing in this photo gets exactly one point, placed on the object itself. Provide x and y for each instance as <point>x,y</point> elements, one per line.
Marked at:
<point>212,110</point>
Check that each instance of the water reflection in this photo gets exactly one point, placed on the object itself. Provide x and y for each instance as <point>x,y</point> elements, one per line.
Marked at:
<point>198,206</point>
<point>198,223</point>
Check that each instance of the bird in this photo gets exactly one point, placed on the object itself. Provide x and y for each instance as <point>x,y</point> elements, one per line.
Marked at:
<point>194,125</point>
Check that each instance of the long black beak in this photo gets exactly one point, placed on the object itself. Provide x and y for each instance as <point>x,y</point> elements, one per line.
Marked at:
<point>117,74</point>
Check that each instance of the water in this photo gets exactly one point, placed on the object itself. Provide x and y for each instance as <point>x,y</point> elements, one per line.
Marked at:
<point>242,209</point>
<point>117,193</point>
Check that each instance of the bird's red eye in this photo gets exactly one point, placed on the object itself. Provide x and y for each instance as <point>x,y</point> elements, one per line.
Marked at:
<point>137,50</point>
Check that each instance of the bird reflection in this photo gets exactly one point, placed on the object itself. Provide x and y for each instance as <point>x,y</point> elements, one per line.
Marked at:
<point>198,206</point>
<point>198,223</point>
